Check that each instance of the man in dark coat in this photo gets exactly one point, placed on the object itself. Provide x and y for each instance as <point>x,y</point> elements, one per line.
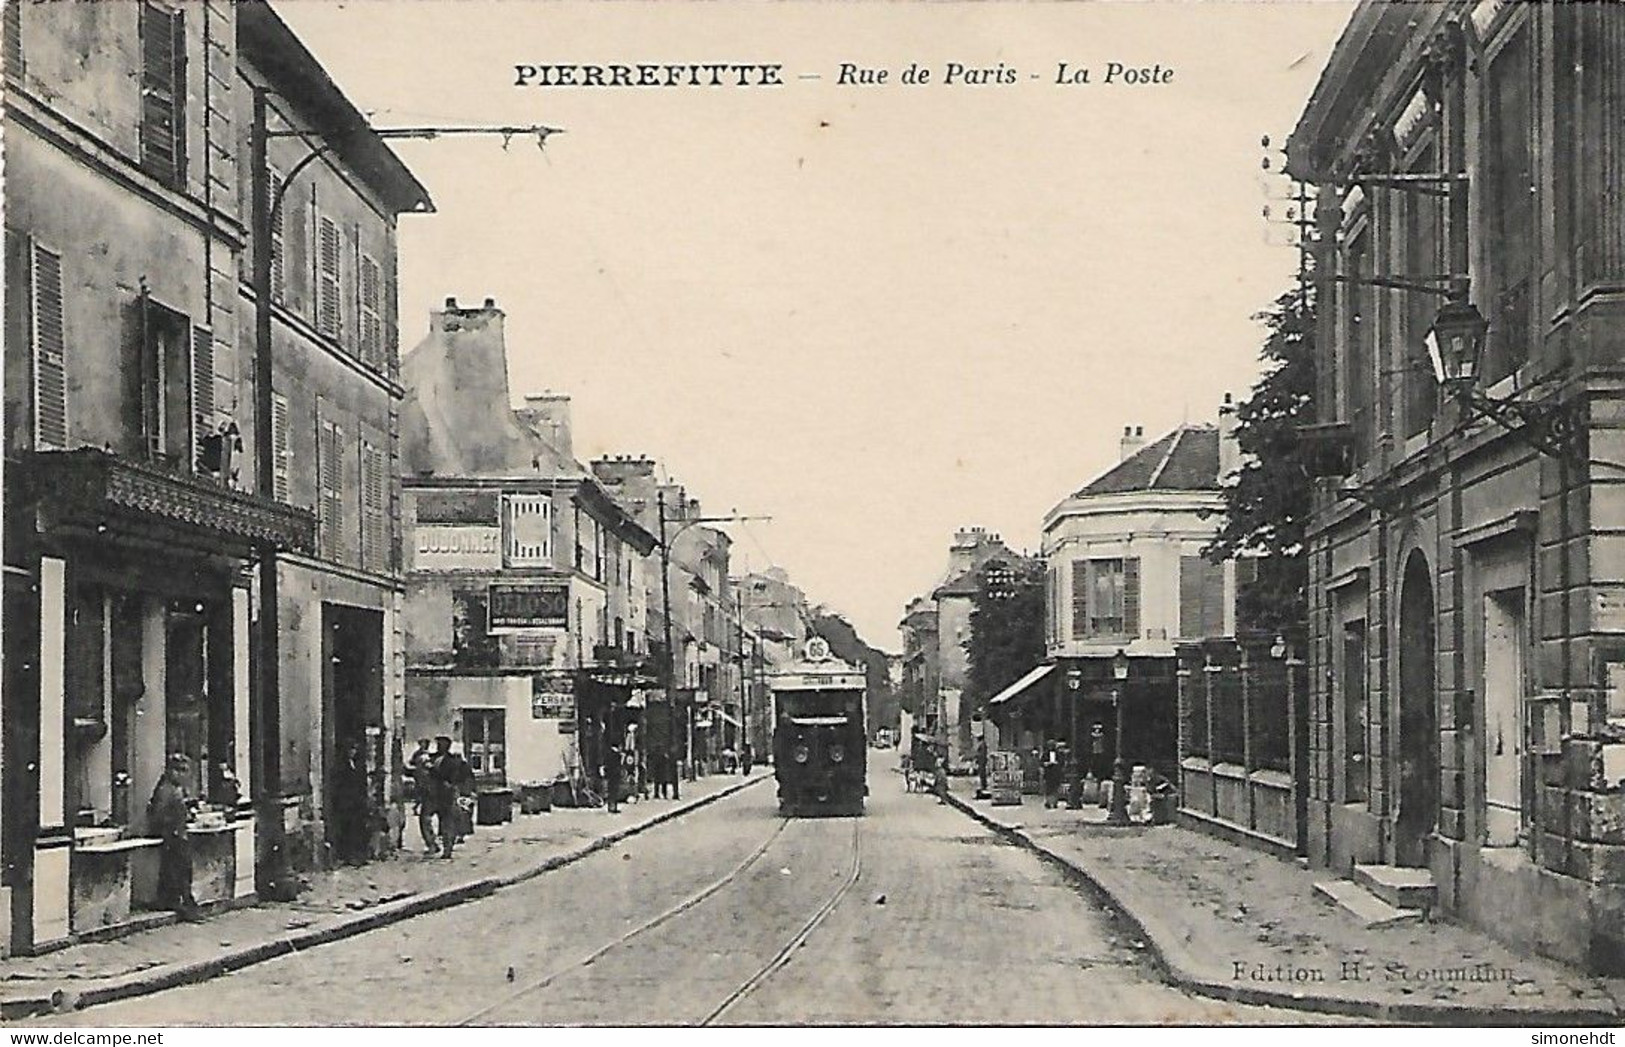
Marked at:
<point>453,779</point>
<point>168,812</point>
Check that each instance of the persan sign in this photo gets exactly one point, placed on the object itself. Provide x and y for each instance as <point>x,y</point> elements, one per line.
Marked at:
<point>447,547</point>
<point>545,606</point>
<point>552,696</point>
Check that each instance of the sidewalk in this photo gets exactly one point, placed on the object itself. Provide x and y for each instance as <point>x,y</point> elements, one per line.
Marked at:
<point>337,904</point>
<point>1233,923</point>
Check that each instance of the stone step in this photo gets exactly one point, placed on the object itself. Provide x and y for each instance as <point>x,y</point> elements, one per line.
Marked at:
<point>1364,906</point>
<point>1399,886</point>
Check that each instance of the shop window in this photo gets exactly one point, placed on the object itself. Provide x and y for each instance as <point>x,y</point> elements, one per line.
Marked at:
<point>485,743</point>
<point>1353,691</point>
<point>186,691</point>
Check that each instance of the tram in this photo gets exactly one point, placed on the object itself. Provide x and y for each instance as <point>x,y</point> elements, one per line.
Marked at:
<point>819,742</point>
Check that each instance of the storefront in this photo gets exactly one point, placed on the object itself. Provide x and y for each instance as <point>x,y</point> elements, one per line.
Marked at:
<point>130,591</point>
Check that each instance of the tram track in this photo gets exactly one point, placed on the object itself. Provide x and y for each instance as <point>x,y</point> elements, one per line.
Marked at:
<point>743,988</point>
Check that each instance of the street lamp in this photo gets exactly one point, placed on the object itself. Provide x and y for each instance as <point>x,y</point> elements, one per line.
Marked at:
<point>1074,771</point>
<point>1118,815</point>
<point>1456,345</point>
<point>665,599</point>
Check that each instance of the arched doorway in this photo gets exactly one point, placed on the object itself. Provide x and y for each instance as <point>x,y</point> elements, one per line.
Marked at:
<point>1418,791</point>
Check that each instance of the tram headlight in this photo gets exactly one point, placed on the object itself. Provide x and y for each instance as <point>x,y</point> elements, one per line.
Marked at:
<point>836,754</point>
<point>801,754</point>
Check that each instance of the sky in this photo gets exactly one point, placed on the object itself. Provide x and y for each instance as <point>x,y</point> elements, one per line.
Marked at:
<point>876,313</point>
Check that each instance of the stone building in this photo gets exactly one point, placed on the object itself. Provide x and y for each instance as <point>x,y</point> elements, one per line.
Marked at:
<point>523,573</point>
<point>133,515</point>
<point>1467,564</point>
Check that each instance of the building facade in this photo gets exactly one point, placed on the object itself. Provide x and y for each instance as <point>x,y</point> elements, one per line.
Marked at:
<point>335,192</point>
<point>1467,573</point>
<point>523,574</point>
<point>134,517</point>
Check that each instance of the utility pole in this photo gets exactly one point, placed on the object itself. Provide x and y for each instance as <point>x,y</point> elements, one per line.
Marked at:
<point>665,597</point>
<point>273,877</point>
<point>744,694</point>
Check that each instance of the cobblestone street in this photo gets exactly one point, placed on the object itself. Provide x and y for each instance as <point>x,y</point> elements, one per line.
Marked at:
<point>945,922</point>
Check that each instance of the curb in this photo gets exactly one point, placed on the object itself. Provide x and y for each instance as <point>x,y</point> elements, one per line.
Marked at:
<point>170,976</point>
<point>1174,973</point>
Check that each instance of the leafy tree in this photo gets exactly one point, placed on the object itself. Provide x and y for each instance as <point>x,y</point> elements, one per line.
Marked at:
<point>1267,503</point>
<point>845,644</point>
<point>1006,625</point>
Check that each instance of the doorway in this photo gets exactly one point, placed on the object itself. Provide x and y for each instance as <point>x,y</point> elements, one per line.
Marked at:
<point>1418,717</point>
<point>1504,618</point>
<point>353,710</point>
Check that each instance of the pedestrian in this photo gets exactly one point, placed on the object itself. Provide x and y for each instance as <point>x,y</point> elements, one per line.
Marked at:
<point>453,788</point>
<point>421,767</point>
<point>747,758</point>
<point>168,812</point>
<point>981,766</point>
<point>940,775</point>
<point>612,777</point>
<point>1052,776</point>
<point>657,768</point>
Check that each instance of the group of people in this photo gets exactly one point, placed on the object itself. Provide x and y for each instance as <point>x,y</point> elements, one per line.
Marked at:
<point>926,766</point>
<point>443,786</point>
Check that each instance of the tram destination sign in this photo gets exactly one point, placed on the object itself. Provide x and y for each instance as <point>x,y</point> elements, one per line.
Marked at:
<point>533,606</point>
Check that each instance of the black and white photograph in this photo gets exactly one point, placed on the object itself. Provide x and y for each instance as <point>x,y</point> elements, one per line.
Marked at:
<point>792,514</point>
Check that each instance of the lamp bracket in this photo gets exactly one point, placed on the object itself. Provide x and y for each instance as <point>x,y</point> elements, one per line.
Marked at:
<point>1429,284</point>
<point>1550,427</point>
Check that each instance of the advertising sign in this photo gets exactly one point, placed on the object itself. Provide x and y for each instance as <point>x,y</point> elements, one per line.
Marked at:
<point>452,547</point>
<point>1004,778</point>
<point>534,606</point>
<point>552,696</point>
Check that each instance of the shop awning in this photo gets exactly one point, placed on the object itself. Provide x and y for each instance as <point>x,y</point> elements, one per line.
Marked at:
<point>1032,677</point>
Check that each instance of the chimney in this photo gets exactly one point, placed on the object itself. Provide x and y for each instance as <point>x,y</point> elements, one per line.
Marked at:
<point>623,468</point>
<point>548,416</point>
<point>1229,449</point>
<point>1133,440</point>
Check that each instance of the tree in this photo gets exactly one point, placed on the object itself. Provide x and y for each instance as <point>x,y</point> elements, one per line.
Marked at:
<point>845,644</point>
<point>1006,625</point>
<point>1267,504</point>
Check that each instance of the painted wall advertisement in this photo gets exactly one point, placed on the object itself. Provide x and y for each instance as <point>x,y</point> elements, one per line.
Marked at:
<point>532,606</point>
<point>552,696</point>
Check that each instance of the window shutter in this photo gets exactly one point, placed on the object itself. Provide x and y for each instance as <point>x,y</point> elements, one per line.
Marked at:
<point>278,244</point>
<point>279,447</point>
<point>1212,598</point>
<point>1191,579</point>
<point>14,39</point>
<point>1080,599</point>
<point>202,389</point>
<point>331,536</point>
<point>328,287</point>
<point>163,91</point>
<point>1131,597</point>
<point>372,334</point>
<point>50,352</point>
<point>373,551</point>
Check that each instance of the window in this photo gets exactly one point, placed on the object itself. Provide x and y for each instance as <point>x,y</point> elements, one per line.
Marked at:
<point>1510,182</point>
<point>1105,598</point>
<point>163,93</point>
<point>1421,241</point>
<point>528,521</point>
<point>1598,94</point>
<point>49,349</point>
<point>161,383</point>
<point>485,742</point>
<point>1356,768</point>
<point>373,506</point>
<point>1201,597</point>
<point>371,309</point>
<point>331,539</point>
<point>329,263</point>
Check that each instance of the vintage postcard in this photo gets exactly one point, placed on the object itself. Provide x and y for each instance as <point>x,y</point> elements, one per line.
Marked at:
<point>686,514</point>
